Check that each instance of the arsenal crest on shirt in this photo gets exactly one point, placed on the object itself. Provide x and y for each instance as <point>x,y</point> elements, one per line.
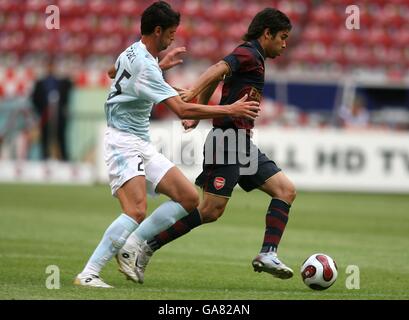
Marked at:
<point>219,182</point>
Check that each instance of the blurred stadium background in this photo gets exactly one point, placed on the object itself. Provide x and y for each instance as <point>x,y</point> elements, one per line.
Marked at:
<point>306,124</point>
<point>310,86</point>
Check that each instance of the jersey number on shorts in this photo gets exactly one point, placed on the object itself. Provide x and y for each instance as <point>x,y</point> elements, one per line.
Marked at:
<point>140,165</point>
<point>125,74</point>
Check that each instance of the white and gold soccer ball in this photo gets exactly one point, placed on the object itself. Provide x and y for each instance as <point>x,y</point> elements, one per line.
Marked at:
<point>319,271</point>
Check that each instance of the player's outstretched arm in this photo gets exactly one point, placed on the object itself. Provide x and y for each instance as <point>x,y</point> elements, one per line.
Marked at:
<point>185,110</point>
<point>209,79</point>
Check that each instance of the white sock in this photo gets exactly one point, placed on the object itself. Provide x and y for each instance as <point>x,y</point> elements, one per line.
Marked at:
<point>132,241</point>
<point>113,239</point>
<point>162,218</point>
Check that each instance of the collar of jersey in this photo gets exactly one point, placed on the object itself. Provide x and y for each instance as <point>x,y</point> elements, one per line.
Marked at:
<point>142,45</point>
<point>259,48</point>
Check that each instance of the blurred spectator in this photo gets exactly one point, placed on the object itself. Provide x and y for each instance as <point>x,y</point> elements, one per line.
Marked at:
<point>50,99</point>
<point>354,116</point>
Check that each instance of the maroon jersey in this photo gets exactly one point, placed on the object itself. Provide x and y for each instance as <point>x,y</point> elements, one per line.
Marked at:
<point>247,76</point>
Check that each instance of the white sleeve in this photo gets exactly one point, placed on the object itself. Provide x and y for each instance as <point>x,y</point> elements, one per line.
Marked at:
<point>151,86</point>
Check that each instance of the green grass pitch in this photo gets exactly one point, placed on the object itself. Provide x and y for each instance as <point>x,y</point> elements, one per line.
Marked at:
<point>61,225</point>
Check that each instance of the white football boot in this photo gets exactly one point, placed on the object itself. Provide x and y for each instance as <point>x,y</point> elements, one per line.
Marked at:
<point>90,280</point>
<point>269,262</point>
<point>126,264</point>
<point>143,255</point>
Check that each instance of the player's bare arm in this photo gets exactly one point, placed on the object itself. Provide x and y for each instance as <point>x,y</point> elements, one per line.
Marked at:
<point>170,60</point>
<point>203,98</point>
<point>185,110</point>
<point>211,77</point>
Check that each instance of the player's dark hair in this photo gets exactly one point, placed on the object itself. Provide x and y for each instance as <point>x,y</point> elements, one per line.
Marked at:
<point>159,14</point>
<point>270,18</point>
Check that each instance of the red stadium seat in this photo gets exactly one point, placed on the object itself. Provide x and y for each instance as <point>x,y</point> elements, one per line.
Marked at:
<point>316,33</point>
<point>211,29</point>
<point>326,15</point>
<point>400,37</point>
<point>378,36</point>
<point>343,35</point>
<point>129,7</point>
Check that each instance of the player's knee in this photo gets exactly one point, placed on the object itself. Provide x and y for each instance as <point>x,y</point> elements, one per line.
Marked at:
<point>211,213</point>
<point>292,195</point>
<point>190,200</point>
<point>289,193</point>
<point>286,193</point>
<point>138,212</point>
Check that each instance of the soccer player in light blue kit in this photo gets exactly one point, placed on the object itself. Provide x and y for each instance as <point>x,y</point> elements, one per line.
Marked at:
<point>135,167</point>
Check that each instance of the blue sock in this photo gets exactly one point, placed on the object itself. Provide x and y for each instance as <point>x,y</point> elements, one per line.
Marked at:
<point>113,240</point>
<point>162,218</point>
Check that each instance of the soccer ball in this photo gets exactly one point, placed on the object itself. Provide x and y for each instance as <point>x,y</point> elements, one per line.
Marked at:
<point>319,271</point>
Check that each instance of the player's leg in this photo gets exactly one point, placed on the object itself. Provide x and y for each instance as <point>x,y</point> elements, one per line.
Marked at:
<point>210,209</point>
<point>271,180</point>
<point>132,197</point>
<point>217,179</point>
<point>163,177</point>
<point>282,191</point>
<point>217,182</point>
<point>128,183</point>
<point>177,217</point>
<point>184,201</point>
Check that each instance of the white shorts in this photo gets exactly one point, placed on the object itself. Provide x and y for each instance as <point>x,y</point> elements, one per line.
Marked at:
<point>128,156</point>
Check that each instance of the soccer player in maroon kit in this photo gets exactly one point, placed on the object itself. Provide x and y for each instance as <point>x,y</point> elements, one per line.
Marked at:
<point>243,73</point>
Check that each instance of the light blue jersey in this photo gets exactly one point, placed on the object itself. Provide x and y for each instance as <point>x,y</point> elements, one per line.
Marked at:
<point>138,85</point>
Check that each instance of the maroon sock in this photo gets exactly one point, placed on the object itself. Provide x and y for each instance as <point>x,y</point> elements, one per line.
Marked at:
<point>276,220</point>
<point>178,229</point>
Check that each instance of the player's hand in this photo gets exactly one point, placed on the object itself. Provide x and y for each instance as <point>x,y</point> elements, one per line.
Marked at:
<point>172,59</point>
<point>112,72</point>
<point>179,90</point>
<point>190,124</point>
<point>243,108</point>
<point>186,95</point>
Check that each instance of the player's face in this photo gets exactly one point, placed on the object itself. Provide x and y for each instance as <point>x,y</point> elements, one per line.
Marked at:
<point>166,38</point>
<point>277,44</point>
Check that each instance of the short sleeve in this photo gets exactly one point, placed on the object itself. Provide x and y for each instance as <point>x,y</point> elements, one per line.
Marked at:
<point>152,87</point>
<point>239,59</point>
